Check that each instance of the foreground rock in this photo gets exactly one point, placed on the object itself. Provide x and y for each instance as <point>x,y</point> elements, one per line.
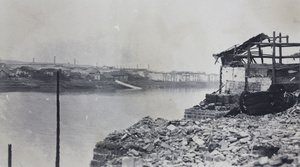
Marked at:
<point>270,140</point>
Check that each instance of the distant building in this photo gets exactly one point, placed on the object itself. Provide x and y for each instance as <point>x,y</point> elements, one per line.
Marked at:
<point>213,77</point>
<point>142,72</point>
<point>80,70</point>
<point>183,77</point>
<point>202,77</point>
<point>156,76</point>
<point>95,75</point>
<point>24,71</point>
<point>119,75</point>
<point>114,75</point>
<point>2,65</point>
<point>107,77</point>
<point>49,71</point>
<point>4,71</point>
<point>108,68</point>
<point>75,75</point>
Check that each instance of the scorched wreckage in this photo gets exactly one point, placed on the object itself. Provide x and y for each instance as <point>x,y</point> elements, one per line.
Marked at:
<point>258,75</point>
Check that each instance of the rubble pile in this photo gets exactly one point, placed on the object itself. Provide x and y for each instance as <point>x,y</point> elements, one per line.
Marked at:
<point>213,106</point>
<point>219,101</point>
<point>270,140</point>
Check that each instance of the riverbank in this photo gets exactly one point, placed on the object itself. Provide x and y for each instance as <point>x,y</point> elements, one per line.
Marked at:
<point>270,140</point>
<point>25,84</point>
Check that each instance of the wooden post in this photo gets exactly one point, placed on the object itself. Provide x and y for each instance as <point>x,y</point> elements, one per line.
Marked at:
<point>273,60</point>
<point>220,82</point>
<point>287,39</point>
<point>58,123</point>
<point>260,54</point>
<point>234,49</point>
<point>280,50</point>
<point>248,69</point>
<point>9,156</point>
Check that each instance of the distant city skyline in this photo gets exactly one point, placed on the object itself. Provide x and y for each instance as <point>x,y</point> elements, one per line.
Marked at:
<point>167,35</point>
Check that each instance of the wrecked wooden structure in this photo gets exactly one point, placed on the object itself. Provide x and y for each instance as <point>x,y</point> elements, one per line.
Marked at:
<point>250,68</point>
<point>246,66</point>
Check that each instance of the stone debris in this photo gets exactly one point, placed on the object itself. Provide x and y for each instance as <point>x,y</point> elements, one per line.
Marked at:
<point>270,140</point>
<point>171,127</point>
<point>213,106</point>
<point>132,161</point>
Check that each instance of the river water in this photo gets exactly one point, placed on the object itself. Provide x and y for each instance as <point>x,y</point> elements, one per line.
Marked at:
<point>28,121</point>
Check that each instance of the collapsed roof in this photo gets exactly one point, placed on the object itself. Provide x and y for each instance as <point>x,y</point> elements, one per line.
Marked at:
<point>227,55</point>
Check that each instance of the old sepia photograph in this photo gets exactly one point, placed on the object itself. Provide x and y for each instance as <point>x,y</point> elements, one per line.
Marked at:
<point>149,83</point>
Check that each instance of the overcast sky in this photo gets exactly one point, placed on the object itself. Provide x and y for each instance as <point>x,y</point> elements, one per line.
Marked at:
<point>166,34</point>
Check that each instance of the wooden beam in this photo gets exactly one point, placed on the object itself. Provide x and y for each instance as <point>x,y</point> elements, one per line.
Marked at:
<point>254,52</point>
<point>247,70</point>
<point>253,60</point>
<point>273,60</point>
<point>265,44</point>
<point>220,82</point>
<point>288,44</point>
<point>280,50</point>
<point>260,54</point>
<point>269,56</point>
<point>281,37</point>
<point>243,61</point>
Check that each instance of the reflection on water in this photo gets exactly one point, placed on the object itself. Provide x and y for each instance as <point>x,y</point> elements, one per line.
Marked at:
<point>28,121</point>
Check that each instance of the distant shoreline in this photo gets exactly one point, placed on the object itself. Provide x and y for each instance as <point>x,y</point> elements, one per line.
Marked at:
<point>10,85</point>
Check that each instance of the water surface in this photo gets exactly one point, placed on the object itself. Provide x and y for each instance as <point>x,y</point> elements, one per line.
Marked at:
<point>28,121</point>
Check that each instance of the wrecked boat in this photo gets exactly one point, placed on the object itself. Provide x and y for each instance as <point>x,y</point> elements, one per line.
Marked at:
<point>258,72</point>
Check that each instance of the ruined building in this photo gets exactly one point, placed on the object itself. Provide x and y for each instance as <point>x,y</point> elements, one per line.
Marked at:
<point>253,67</point>
<point>250,67</point>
